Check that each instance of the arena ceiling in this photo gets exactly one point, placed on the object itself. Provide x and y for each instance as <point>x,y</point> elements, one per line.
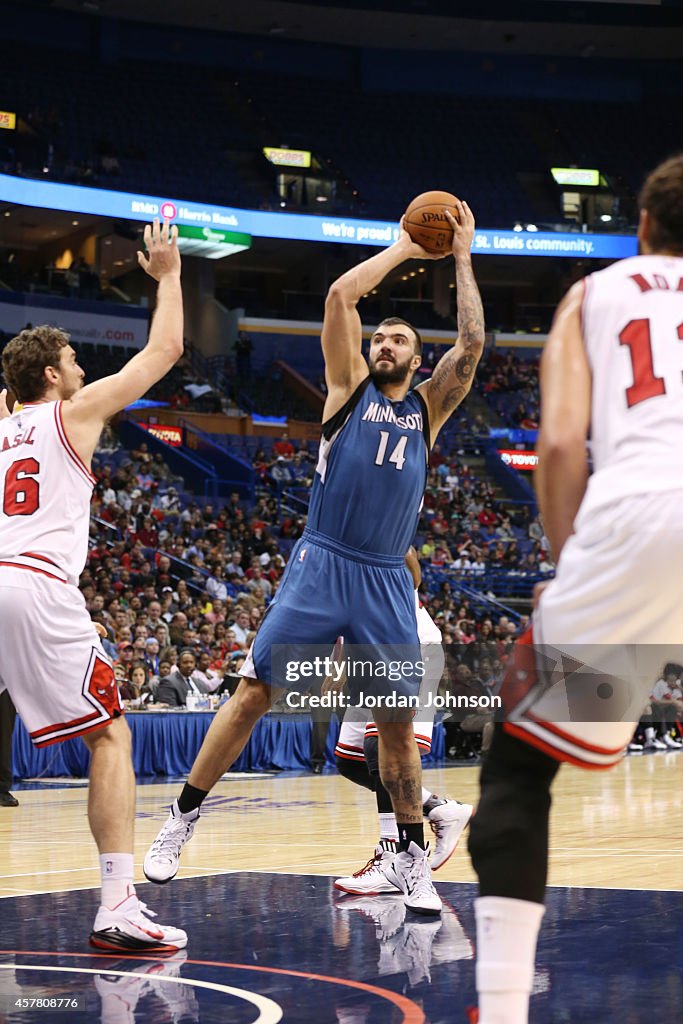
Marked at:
<point>627,29</point>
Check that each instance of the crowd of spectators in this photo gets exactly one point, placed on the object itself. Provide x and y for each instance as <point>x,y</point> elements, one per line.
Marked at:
<point>465,527</point>
<point>165,575</point>
<point>509,384</point>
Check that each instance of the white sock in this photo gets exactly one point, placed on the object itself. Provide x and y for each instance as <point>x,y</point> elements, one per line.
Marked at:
<point>426,795</point>
<point>388,829</point>
<point>650,733</point>
<point>117,872</point>
<point>507,931</point>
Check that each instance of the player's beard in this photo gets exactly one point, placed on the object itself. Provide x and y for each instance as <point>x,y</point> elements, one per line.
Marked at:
<point>67,391</point>
<point>397,374</point>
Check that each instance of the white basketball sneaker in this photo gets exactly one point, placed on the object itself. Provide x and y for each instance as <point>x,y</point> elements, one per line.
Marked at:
<point>371,880</point>
<point>448,821</point>
<point>129,928</point>
<point>410,872</point>
<point>162,860</point>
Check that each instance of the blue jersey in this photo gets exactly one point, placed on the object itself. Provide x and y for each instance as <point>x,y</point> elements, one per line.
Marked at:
<point>371,473</point>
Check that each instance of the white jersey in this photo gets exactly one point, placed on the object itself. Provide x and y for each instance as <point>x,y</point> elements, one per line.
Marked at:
<point>632,320</point>
<point>45,492</point>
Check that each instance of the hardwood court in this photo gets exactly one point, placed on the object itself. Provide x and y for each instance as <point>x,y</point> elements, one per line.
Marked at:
<point>611,829</point>
<point>271,940</point>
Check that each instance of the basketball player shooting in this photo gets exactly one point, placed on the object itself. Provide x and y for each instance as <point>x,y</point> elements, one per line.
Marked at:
<point>53,663</point>
<point>347,572</point>
<point>612,363</point>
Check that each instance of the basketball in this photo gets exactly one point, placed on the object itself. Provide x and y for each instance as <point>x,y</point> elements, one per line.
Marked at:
<point>426,222</point>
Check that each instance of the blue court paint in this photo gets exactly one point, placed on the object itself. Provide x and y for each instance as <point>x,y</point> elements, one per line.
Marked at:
<point>607,956</point>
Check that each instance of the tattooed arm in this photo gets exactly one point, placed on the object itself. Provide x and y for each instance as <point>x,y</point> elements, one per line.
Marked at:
<point>453,375</point>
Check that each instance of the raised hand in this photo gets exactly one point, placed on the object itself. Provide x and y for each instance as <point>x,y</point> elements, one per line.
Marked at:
<point>463,229</point>
<point>163,258</point>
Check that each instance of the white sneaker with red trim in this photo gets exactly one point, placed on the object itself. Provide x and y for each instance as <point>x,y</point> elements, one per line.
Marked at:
<point>370,880</point>
<point>448,821</point>
<point>129,928</point>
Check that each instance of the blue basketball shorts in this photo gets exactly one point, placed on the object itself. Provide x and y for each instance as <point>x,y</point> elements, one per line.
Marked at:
<point>329,590</point>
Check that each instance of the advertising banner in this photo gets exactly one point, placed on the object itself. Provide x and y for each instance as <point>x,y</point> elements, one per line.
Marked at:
<point>519,460</point>
<point>300,226</point>
<point>86,322</point>
<point>166,432</point>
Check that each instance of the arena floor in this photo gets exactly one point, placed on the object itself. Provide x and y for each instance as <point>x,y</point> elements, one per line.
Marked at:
<point>270,939</point>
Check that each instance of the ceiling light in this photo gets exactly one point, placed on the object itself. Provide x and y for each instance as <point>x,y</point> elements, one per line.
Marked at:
<point>531,227</point>
<point>518,227</point>
<point>605,217</point>
<point>74,223</point>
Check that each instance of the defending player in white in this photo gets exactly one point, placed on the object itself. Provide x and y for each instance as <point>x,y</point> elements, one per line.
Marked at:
<point>53,663</point>
<point>613,367</point>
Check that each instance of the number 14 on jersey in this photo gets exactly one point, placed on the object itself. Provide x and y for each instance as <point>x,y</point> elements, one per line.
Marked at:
<point>397,456</point>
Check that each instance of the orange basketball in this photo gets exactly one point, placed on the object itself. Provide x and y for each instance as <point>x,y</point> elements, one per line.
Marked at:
<point>426,222</point>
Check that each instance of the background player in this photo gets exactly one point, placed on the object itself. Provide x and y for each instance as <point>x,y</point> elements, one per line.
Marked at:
<point>358,760</point>
<point>613,363</point>
<point>53,664</point>
<point>347,572</point>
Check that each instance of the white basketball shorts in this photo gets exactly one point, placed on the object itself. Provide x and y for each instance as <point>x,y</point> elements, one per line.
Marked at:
<point>614,612</point>
<point>51,660</point>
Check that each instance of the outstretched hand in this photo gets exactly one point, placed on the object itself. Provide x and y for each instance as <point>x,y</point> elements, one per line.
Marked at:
<point>463,229</point>
<point>163,257</point>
